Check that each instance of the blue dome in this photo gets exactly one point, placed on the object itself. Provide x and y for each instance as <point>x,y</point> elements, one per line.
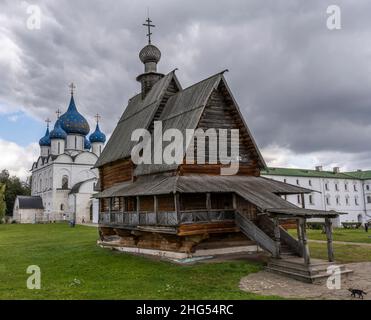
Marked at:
<point>97,135</point>
<point>87,144</point>
<point>45,140</point>
<point>72,122</point>
<point>58,132</point>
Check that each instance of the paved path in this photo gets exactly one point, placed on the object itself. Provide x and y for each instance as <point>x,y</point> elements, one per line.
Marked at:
<point>344,242</point>
<point>267,283</point>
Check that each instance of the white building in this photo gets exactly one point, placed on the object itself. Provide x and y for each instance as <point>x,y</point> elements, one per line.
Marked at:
<point>63,175</point>
<point>348,192</point>
<point>28,209</point>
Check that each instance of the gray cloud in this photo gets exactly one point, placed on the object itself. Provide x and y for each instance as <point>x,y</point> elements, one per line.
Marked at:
<point>299,85</point>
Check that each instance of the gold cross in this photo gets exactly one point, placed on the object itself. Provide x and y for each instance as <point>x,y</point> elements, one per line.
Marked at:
<point>72,87</point>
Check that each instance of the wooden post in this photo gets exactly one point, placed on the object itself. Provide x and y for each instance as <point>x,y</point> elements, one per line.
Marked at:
<point>300,239</point>
<point>138,209</point>
<point>303,228</point>
<point>177,206</point>
<point>208,205</point>
<point>330,250</point>
<point>155,207</point>
<point>109,209</point>
<point>277,236</point>
<point>234,200</point>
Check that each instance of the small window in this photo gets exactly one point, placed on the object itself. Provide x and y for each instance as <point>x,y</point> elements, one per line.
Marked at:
<point>367,187</point>
<point>346,186</point>
<point>284,180</point>
<point>62,207</point>
<point>310,182</point>
<point>338,200</point>
<point>298,198</point>
<point>354,187</point>
<point>311,199</point>
<point>347,201</point>
<point>65,182</point>
<point>336,187</point>
<point>326,187</point>
<point>356,201</point>
<point>297,181</point>
<point>328,200</point>
<point>368,199</point>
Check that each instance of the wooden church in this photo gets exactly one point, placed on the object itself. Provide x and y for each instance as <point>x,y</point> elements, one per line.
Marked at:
<point>189,209</point>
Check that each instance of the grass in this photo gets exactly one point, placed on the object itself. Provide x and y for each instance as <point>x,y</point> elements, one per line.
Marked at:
<point>344,253</point>
<point>65,254</point>
<point>339,234</point>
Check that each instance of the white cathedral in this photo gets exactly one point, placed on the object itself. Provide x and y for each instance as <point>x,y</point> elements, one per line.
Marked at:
<point>63,177</point>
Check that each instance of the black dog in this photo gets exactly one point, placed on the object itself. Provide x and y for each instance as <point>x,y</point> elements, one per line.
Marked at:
<point>357,292</point>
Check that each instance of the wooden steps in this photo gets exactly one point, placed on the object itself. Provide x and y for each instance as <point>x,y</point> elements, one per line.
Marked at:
<point>294,267</point>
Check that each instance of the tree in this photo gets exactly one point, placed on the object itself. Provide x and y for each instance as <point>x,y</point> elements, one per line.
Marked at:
<point>14,187</point>
<point>2,202</point>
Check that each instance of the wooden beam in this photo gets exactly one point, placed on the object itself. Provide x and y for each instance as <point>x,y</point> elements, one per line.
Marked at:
<point>208,205</point>
<point>303,228</point>
<point>155,207</point>
<point>234,200</point>
<point>277,236</point>
<point>330,249</point>
<point>300,239</point>
<point>177,206</point>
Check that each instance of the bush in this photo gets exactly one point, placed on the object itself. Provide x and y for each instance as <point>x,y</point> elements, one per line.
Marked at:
<point>315,225</point>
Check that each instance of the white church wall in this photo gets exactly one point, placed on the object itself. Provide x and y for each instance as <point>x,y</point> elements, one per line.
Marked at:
<point>86,158</point>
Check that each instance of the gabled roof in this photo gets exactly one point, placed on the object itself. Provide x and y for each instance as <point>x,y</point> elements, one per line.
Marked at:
<point>30,202</point>
<point>184,110</point>
<point>138,114</point>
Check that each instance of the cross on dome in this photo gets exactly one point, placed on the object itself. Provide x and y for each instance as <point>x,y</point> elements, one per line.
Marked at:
<point>97,117</point>
<point>47,120</point>
<point>149,25</point>
<point>72,87</point>
<point>58,112</point>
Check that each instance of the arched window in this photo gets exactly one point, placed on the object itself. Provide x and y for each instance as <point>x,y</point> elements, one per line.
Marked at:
<point>65,182</point>
<point>62,207</point>
<point>59,147</point>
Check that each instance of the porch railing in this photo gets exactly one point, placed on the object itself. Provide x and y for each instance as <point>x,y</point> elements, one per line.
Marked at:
<point>164,218</point>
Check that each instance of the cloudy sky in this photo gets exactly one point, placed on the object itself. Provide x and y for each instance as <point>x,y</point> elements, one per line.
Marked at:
<point>305,90</point>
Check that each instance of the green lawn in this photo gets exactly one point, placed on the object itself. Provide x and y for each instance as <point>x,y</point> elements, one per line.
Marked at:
<point>344,253</point>
<point>65,254</point>
<point>339,234</point>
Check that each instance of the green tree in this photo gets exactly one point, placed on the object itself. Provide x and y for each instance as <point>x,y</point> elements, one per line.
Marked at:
<point>2,202</point>
<point>14,187</point>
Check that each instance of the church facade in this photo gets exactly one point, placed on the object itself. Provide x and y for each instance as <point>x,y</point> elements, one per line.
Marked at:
<point>63,176</point>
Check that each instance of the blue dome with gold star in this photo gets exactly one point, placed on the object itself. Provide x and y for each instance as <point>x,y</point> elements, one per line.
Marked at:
<point>72,122</point>
<point>87,144</point>
<point>58,132</point>
<point>45,140</point>
<point>97,135</point>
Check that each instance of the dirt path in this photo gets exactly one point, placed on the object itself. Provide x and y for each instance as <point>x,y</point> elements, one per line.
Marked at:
<point>267,283</point>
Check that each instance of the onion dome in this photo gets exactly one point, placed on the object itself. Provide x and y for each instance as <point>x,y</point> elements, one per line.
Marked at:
<point>97,135</point>
<point>72,122</point>
<point>87,144</point>
<point>150,53</point>
<point>58,132</point>
<point>45,140</point>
